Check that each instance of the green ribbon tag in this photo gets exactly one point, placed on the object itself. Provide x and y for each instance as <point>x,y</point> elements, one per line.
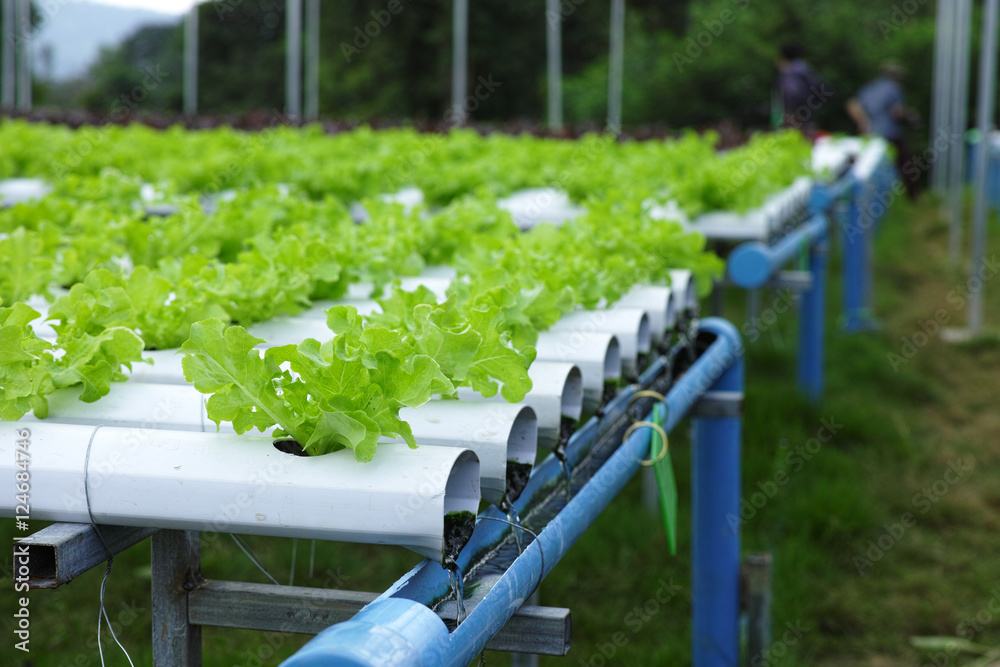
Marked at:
<point>664,469</point>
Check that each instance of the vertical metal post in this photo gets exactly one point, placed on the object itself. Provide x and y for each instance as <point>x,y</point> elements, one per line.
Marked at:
<point>191,61</point>
<point>856,230</point>
<point>616,66</point>
<point>293,59</point>
<point>986,108</point>
<point>9,74</point>
<point>812,324</point>
<point>459,60</point>
<point>526,659</point>
<point>176,569</point>
<point>22,22</point>
<point>715,576</point>
<point>943,67</point>
<point>757,573</point>
<point>553,42</point>
<point>959,115</point>
<point>312,60</point>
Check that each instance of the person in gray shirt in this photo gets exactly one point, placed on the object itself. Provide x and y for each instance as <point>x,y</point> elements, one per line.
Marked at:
<point>879,108</point>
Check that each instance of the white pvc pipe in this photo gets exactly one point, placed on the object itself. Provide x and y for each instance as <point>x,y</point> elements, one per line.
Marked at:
<point>556,392</point>
<point>291,330</point>
<point>596,354</point>
<point>629,325</point>
<point>135,405</point>
<point>241,484</point>
<point>496,432</point>
<point>659,304</point>
<point>165,369</point>
<point>682,283</point>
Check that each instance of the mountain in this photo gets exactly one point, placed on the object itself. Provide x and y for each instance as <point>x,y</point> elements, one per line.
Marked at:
<point>74,33</point>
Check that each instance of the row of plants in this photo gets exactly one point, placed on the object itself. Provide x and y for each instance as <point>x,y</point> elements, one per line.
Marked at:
<point>364,163</point>
<point>132,282</point>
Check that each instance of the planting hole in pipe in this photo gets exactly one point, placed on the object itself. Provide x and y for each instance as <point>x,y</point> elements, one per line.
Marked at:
<point>572,396</point>
<point>522,448</point>
<point>461,502</point>
<point>290,447</point>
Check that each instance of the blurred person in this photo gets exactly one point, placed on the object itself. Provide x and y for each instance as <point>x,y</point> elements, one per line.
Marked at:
<point>801,91</point>
<point>879,108</point>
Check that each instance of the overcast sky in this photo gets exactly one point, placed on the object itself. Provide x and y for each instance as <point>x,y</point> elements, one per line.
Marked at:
<point>169,6</point>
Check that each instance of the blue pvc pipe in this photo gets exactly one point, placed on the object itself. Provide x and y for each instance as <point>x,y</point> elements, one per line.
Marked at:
<point>854,263</point>
<point>349,643</point>
<point>752,264</point>
<point>715,473</point>
<point>812,324</point>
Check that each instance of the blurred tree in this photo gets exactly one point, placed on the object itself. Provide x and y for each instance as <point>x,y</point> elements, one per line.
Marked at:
<point>686,63</point>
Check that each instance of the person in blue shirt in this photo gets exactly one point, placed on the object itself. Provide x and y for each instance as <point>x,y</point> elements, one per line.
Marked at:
<point>879,108</point>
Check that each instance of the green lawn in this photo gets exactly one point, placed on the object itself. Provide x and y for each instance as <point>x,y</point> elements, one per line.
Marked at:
<point>890,529</point>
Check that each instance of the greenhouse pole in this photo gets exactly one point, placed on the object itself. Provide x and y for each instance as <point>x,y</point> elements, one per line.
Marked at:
<point>191,61</point>
<point>460,61</point>
<point>987,106</point>
<point>9,68</point>
<point>22,41</point>
<point>312,60</point>
<point>943,66</point>
<point>616,66</point>
<point>293,59</point>
<point>959,115</point>
<point>553,42</point>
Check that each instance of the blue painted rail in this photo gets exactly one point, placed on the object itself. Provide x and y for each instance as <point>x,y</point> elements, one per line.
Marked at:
<point>399,628</point>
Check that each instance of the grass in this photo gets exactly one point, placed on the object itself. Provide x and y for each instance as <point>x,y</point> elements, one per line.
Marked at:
<point>899,427</point>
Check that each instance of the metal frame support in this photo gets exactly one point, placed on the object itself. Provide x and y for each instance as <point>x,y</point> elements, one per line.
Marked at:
<point>176,570</point>
<point>757,580</point>
<point>293,59</point>
<point>191,61</point>
<point>459,61</point>
<point>959,97</point>
<point>986,109</point>
<point>812,323</point>
<point>616,65</point>
<point>715,475</point>
<point>8,76</point>
<point>22,42</point>
<point>553,48</point>
<point>312,60</point>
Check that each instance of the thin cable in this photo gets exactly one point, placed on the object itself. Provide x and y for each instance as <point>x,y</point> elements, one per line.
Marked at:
<point>102,611</point>
<point>253,559</point>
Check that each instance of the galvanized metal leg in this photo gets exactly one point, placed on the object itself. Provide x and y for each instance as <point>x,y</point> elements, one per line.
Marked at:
<point>526,659</point>
<point>716,531</point>
<point>176,569</point>
<point>812,324</point>
<point>757,573</point>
